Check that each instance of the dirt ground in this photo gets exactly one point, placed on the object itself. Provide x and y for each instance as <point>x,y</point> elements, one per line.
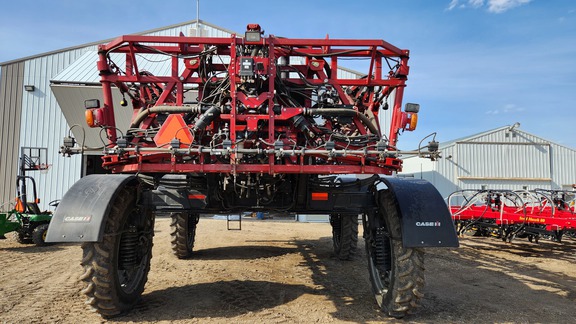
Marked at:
<point>284,272</point>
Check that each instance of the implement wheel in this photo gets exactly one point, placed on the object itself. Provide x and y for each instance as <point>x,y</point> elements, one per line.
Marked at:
<point>183,232</point>
<point>396,273</point>
<point>116,269</point>
<point>344,235</point>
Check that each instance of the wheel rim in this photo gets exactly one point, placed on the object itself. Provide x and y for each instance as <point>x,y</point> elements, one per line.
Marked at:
<point>133,256</point>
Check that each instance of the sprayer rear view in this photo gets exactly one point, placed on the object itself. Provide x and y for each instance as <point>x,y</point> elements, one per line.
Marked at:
<point>252,123</point>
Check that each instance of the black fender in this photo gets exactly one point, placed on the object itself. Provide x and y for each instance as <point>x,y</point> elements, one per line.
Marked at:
<point>82,212</point>
<point>425,218</point>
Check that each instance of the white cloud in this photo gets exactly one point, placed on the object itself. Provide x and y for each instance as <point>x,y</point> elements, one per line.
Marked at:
<point>476,3</point>
<point>511,108</point>
<point>499,6</point>
<point>564,18</point>
<point>452,4</point>
<point>493,6</point>
<point>507,109</point>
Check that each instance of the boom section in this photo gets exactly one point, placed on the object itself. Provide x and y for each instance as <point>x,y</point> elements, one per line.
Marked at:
<point>251,104</point>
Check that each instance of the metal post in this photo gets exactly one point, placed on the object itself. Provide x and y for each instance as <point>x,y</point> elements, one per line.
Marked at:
<point>197,18</point>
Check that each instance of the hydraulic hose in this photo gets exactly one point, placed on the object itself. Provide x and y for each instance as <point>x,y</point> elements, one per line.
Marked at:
<point>163,109</point>
<point>206,118</point>
<point>214,111</point>
<point>336,112</point>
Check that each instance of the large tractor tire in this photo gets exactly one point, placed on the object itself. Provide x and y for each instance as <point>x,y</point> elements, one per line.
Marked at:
<point>396,272</point>
<point>39,235</point>
<point>344,235</point>
<point>116,269</point>
<point>183,232</point>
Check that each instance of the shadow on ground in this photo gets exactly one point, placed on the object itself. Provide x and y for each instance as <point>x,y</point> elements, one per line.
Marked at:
<point>471,284</point>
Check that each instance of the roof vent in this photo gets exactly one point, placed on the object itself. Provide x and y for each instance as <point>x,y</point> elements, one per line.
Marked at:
<point>202,31</point>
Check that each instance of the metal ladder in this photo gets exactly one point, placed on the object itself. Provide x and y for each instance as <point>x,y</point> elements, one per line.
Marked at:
<point>233,220</point>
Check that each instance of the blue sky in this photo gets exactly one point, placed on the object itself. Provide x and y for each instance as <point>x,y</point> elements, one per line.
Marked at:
<point>475,64</point>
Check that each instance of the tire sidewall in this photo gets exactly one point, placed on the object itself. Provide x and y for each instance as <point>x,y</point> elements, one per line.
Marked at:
<point>344,235</point>
<point>183,234</point>
<point>402,293</point>
<point>127,210</point>
<point>38,235</point>
<point>101,259</point>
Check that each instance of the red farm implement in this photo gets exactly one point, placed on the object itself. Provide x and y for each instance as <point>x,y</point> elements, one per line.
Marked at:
<point>509,214</point>
<point>257,124</point>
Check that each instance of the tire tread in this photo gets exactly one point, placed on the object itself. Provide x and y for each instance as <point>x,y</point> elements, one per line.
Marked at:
<point>101,292</point>
<point>404,294</point>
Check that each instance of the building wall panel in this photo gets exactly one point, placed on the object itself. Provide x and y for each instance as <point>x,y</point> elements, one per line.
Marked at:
<point>11,90</point>
<point>43,124</point>
<point>503,161</point>
<point>35,118</point>
<point>499,159</point>
<point>564,166</point>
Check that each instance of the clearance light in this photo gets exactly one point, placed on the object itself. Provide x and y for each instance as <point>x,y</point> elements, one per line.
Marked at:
<point>409,121</point>
<point>410,116</point>
<point>320,196</point>
<point>413,122</point>
<point>89,114</point>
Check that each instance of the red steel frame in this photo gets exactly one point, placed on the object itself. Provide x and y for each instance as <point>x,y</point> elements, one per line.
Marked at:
<point>550,217</point>
<point>144,157</point>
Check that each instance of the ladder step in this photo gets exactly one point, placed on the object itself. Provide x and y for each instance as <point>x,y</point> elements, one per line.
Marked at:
<point>233,219</point>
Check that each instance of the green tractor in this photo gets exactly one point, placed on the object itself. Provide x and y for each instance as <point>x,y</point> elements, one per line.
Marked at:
<point>26,219</point>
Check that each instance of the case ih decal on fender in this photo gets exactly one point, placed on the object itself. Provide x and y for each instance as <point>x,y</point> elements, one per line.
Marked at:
<point>428,224</point>
<point>251,124</point>
<point>77,219</point>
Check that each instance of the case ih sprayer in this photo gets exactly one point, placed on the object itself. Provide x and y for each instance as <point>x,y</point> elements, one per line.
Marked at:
<point>251,123</point>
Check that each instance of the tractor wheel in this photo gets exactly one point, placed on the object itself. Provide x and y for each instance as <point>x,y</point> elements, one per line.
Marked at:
<point>396,272</point>
<point>344,235</point>
<point>39,235</point>
<point>183,232</point>
<point>116,269</point>
<point>21,237</point>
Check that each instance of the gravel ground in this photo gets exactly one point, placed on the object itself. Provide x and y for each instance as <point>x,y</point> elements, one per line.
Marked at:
<point>284,272</point>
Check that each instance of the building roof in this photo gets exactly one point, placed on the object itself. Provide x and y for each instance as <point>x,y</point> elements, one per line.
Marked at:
<point>524,137</point>
<point>473,136</point>
<point>515,128</point>
<point>199,21</point>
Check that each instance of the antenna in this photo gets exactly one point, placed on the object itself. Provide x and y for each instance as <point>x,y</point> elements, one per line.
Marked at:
<point>197,18</point>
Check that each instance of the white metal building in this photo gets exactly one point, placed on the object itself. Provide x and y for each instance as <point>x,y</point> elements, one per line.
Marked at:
<point>42,96</point>
<point>502,158</point>
<point>60,81</point>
